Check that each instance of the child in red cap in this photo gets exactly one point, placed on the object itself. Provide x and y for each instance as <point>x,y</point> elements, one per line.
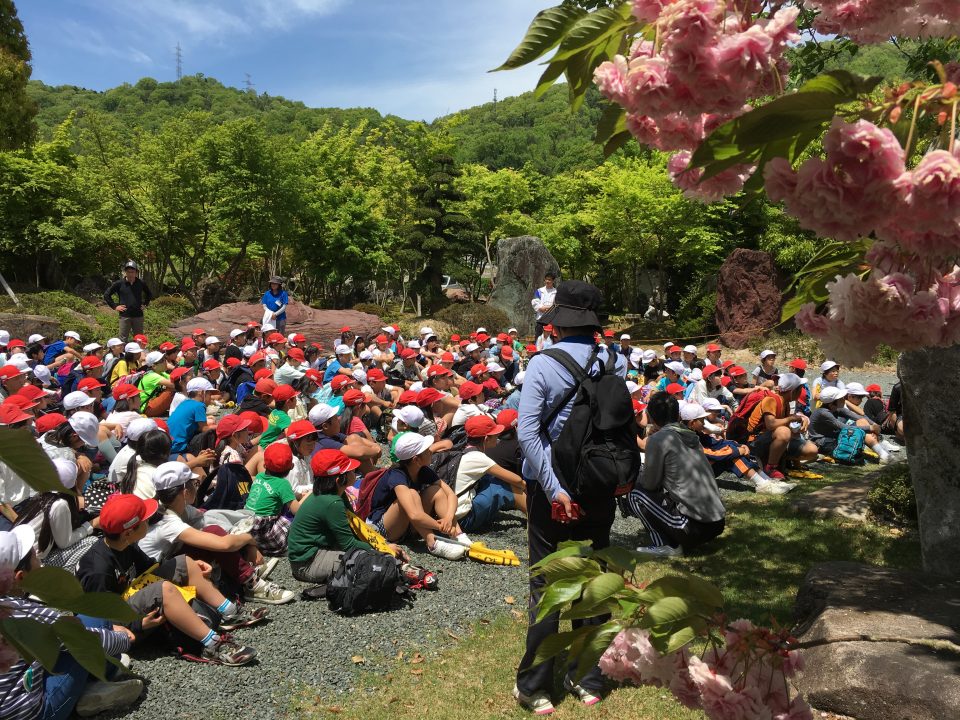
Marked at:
<point>272,499</point>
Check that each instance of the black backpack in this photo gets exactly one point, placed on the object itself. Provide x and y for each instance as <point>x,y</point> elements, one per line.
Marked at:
<point>366,580</point>
<point>446,465</point>
<point>595,457</point>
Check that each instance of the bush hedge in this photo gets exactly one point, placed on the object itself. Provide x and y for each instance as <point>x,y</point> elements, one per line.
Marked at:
<point>468,317</point>
<point>891,498</point>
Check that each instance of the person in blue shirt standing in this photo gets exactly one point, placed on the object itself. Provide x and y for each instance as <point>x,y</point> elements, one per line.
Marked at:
<point>275,301</point>
<point>547,385</point>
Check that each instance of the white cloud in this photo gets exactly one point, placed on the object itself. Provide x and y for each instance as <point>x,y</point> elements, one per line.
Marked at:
<point>88,39</point>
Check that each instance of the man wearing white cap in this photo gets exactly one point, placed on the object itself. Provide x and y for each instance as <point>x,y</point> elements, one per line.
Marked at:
<point>774,431</point>
<point>341,364</point>
<point>28,690</point>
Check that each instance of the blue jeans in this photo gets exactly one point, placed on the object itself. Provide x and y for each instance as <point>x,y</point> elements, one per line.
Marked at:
<point>492,496</point>
<point>63,689</point>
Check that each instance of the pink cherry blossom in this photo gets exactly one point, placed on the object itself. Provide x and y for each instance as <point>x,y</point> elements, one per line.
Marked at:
<point>647,11</point>
<point>610,78</point>
<point>871,21</point>
<point>728,182</point>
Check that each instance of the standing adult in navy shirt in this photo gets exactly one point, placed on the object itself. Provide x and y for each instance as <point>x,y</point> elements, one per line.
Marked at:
<point>132,296</point>
<point>546,385</point>
<point>275,301</point>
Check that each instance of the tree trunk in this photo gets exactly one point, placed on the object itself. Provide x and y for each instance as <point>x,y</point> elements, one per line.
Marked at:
<point>931,398</point>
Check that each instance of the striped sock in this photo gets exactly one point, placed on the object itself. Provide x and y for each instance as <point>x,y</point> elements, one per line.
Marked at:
<point>210,639</point>
<point>227,608</point>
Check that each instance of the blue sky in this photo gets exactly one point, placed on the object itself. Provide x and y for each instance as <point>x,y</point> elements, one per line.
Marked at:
<point>416,59</point>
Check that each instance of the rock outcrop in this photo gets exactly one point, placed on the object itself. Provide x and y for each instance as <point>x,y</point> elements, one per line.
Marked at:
<point>748,298</point>
<point>23,326</point>
<point>521,264</point>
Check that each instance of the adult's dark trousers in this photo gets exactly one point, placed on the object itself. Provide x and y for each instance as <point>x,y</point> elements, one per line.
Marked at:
<point>130,326</point>
<point>543,536</point>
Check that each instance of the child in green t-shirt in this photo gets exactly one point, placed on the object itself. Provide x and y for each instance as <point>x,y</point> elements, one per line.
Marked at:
<point>284,399</point>
<point>272,499</point>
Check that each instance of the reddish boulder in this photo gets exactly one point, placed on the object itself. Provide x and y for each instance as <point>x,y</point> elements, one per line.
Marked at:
<point>748,298</point>
<point>317,325</point>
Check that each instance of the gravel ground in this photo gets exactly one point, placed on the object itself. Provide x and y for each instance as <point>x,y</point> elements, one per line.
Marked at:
<point>306,646</point>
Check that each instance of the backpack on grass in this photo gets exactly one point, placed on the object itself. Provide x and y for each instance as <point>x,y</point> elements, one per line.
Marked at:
<point>737,429</point>
<point>850,444</point>
<point>596,454</point>
<point>365,581</point>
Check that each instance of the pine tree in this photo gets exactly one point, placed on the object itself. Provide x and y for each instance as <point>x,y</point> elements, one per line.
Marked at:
<point>17,110</point>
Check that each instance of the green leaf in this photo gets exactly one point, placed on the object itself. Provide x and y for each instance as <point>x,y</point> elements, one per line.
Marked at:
<point>601,587</point>
<point>569,548</point>
<point>20,452</point>
<point>554,70</point>
<point>545,31</point>
<point>689,586</point>
<point>680,638</point>
<point>618,557</point>
<point>591,30</point>
<point>810,282</point>
<point>33,640</point>
<point>557,595</point>
<point>556,644</point>
<point>669,611</point>
<point>569,567</point>
<point>615,143</point>
<point>83,645</point>
<point>594,646</point>
<point>582,611</point>
<point>58,588</point>
<point>613,121</point>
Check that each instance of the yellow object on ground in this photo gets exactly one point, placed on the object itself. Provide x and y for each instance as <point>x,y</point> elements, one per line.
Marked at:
<point>365,532</point>
<point>481,553</point>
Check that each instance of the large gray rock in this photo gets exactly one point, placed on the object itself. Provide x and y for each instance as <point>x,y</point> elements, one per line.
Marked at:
<point>23,326</point>
<point>521,264</point>
<point>860,616</point>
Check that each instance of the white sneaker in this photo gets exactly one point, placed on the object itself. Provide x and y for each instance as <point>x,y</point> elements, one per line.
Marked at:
<point>264,591</point>
<point>886,460</point>
<point>538,703</point>
<point>660,550</point>
<point>447,549</point>
<point>102,696</point>
<point>774,487</point>
<point>580,692</point>
<point>889,446</point>
<point>269,563</point>
<point>125,660</point>
<point>463,539</point>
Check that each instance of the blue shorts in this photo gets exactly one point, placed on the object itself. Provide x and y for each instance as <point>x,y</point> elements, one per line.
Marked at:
<point>492,496</point>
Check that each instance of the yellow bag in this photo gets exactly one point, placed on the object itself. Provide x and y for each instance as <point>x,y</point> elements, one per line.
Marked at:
<point>481,553</point>
<point>189,592</point>
<point>364,531</point>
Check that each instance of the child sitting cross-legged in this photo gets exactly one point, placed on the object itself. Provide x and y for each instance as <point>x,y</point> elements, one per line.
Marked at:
<point>115,563</point>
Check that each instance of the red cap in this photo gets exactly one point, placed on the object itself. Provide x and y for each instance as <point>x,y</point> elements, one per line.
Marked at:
<point>332,463</point>
<point>297,354</point>
<point>51,421</point>
<point>199,331</point>
<point>256,358</point>
<point>608,333</point>
<point>799,364</point>
<point>354,397</point>
<point>162,424</point>
<point>253,324</point>
<point>469,390</point>
<point>124,512</point>
<point>125,391</point>
<point>482,338</point>
<point>503,337</point>
<point>15,343</point>
<point>638,407</point>
<point>166,347</point>
<point>726,363</point>
<point>482,426</point>
<point>506,352</point>
<point>24,403</point>
<point>232,362</point>
<point>463,344</point>
<point>710,370</point>
<point>433,371</point>
<point>713,347</point>
<point>473,336</point>
<point>381,339</point>
<point>407,397</point>
<point>211,364</point>
<point>265,386</point>
<point>375,375</point>
<point>31,392</point>
<point>345,328</point>
<point>446,357</point>
<point>408,353</point>
<point>735,370</point>
<point>278,458</point>
<point>188,344</point>
<point>726,380</point>
<point>479,369</point>
<point>275,338</point>
<point>873,387</point>
<point>10,414</point>
<point>508,418</point>
<point>90,362</point>
<point>283,393</point>
<point>231,424</point>
<point>142,339</point>
<point>262,373</point>
<point>673,388</point>
<point>179,373</point>
<point>258,423</point>
<point>455,338</point>
<point>674,348</point>
<point>548,328</point>
<point>531,349</point>
<point>8,371</point>
<point>491,384</point>
<point>90,384</point>
<point>340,380</point>
<point>297,337</point>
<point>317,376</point>
<point>428,396</point>
<point>300,429</point>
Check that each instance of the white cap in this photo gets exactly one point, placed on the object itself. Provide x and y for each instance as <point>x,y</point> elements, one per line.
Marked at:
<point>388,329</point>
<point>789,381</point>
<point>518,378</point>
<point>649,356</point>
<point>676,366</point>
<point>668,344</point>
<point>410,415</point>
<point>236,332</point>
<point>42,373</point>
<point>414,345</point>
<point>86,426</point>
<point>90,347</point>
<point>170,475</point>
<point>481,330</point>
<point>76,399</point>
<point>636,356</point>
<point>828,365</point>
<point>140,427</point>
<point>426,330</point>
<point>831,394</point>
<point>512,330</point>
<point>67,472</point>
<point>855,388</point>
<point>267,327</point>
<point>4,337</point>
<point>690,349</point>
<point>35,338</point>
<point>366,355</point>
<point>417,386</point>
<point>692,411</point>
<point>113,342</point>
<point>495,367</point>
<point>471,347</point>
<point>132,347</point>
<point>72,334</point>
<point>154,357</point>
<point>343,350</point>
<point>198,384</point>
<point>249,350</point>
<point>632,387</point>
<point>410,444</point>
<point>712,405</point>
<point>15,545</point>
<point>767,353</point>
<point>625,337</point>
<point>321,412</point>
<point>290,337</point>
<point>20,363</point>
<point>360,375</point>
<point>211,339</point>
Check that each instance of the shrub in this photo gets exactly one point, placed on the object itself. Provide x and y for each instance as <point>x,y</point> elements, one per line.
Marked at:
<point>891,498</point>
<point>468,317</point>
<point>370,308</point>
<point>790,345</point>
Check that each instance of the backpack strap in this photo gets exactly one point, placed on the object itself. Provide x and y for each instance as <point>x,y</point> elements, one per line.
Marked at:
<point>579,375</point>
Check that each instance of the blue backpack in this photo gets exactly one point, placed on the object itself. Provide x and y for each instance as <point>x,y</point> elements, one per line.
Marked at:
<point>850,443</point>
<point>244,390</point>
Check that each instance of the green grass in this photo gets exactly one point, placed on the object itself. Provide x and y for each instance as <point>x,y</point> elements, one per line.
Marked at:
<point>759,563</point>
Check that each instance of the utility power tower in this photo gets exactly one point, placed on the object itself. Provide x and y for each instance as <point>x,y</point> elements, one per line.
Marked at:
<point>179,63</point>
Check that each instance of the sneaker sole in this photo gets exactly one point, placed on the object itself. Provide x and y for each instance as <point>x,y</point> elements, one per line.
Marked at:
<point>267,601</point>
<point>97,705</point>
<point>525,704</point>
<point>588,702</point>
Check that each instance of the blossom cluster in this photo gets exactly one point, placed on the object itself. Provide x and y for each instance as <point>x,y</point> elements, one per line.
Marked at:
<point>875,21</point>
<point>862,188</point>
<point>710,57</point>
<point>743,678</point>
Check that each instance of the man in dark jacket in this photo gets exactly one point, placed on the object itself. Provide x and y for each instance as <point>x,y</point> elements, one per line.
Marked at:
<point>133,296</point>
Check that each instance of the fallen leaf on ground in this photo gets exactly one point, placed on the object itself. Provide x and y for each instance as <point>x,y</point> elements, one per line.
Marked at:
<point>416,671</point>
<point>358,659</point>
<point>509,599</point>
<point>418,658</point>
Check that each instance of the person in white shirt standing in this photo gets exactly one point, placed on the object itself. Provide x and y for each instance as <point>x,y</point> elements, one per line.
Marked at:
<point>543,299</point>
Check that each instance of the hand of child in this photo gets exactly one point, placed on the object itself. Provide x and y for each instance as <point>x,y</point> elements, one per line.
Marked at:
<point>446,525</point>
<point>205,568</point>
<point>153,619</point>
